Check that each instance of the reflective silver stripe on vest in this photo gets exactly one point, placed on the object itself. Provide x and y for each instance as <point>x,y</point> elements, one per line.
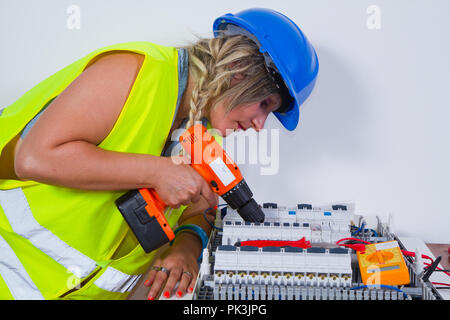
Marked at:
<point>114,280</point>
<point>16,278</point>
<point>20,217</point>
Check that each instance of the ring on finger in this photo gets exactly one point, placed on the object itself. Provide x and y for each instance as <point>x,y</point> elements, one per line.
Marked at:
<point>188,273</point>
<point>156,268</point>
<point>165,270</point>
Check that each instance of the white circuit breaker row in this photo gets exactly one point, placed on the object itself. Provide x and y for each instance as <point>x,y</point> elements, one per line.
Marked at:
<point>283,266</point>
<point>300,213</point>
<point>236,231</point>
<point>283,223</point>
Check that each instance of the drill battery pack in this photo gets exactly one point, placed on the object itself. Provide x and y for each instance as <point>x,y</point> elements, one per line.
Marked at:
<point>143,210</point>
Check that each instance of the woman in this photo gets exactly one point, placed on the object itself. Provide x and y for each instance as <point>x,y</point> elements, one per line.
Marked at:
<point>74,143</point>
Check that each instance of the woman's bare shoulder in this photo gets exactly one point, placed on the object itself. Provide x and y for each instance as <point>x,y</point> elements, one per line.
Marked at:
<point>117,58</point>
<point>88,108</point>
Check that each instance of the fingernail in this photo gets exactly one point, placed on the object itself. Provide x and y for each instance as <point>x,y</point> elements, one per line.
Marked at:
<point>191,289</point>
<point>179,294</point>
<point>147,283</point>
<point>167,294</point>
<point>150,298</point>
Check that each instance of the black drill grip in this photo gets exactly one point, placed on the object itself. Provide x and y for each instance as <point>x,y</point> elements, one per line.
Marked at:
<point>146,228</point>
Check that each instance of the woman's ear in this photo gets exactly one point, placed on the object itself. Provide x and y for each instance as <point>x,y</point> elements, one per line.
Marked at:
<point>238,77</point>
<point>274,101</point>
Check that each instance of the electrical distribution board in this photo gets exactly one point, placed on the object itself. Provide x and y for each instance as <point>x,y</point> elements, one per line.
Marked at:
<point>321,269</point>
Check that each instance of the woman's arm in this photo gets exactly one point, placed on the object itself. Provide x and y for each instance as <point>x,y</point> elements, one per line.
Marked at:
<point>61,148</point>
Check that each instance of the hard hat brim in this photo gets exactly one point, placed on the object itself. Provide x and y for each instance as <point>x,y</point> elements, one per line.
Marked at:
<point>291,118</point>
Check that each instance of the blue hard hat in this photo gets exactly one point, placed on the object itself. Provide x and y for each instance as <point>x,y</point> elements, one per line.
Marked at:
<point>289,56</point>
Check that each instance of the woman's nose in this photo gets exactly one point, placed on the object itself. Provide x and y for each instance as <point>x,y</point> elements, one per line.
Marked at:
<point>258,122</point>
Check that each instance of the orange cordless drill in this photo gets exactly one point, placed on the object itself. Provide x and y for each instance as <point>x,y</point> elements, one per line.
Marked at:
<point>144,210</point>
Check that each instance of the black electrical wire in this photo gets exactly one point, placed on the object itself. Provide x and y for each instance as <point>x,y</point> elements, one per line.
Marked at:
<point>209,222</point>
<point>431,269</point>
<point>206,219</point>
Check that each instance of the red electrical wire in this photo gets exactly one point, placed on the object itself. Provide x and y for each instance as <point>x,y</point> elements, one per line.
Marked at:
<point>428,264</point>
<point>413,254</point>
<point>441,284</point>
<point>354,246</point>
<point>302,243</point>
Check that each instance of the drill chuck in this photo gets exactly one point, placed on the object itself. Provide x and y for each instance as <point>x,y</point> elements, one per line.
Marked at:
<point>240,198</point>
<point>251,212</point>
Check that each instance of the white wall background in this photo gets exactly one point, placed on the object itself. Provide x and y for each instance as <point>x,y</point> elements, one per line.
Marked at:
<point>375,131</point>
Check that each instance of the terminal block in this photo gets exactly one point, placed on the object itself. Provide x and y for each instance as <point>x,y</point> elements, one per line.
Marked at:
<point>283,266</point>
<point>236,291</point>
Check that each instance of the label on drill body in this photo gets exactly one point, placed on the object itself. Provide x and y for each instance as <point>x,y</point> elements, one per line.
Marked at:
<point>222,172</point>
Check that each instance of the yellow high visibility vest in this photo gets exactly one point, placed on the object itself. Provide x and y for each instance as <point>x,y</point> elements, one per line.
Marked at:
<point>54,238</point>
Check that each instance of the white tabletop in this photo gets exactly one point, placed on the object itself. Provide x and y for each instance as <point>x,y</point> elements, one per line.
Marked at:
<point>412,244</point>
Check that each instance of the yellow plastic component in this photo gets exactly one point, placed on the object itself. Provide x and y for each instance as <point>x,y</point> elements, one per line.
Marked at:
<point>383,263</point>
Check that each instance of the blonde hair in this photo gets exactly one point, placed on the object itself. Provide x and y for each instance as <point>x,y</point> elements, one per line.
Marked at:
<point>213,63</point>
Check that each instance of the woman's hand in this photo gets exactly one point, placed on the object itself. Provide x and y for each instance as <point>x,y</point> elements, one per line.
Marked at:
<point>180,263</point>
<point>180,259</point>
<point>177,183</point>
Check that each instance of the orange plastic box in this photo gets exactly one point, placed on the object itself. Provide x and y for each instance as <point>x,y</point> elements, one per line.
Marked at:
<point>383,263</point>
